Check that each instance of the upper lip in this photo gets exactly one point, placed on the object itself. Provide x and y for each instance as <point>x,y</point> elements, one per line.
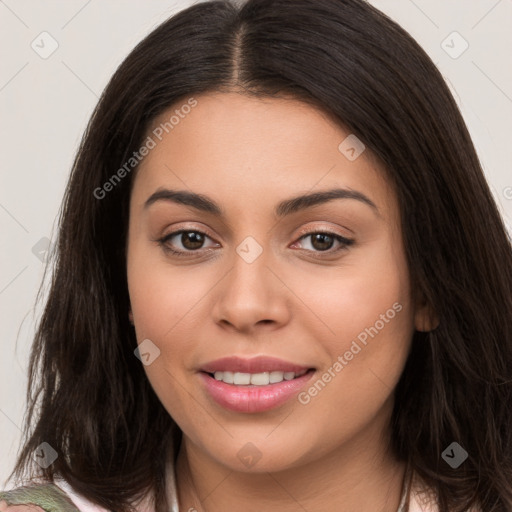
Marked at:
<point>257,364</point>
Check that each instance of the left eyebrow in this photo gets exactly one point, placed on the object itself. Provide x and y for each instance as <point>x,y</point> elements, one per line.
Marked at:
<point>284,208</point>
<point>298,203</point>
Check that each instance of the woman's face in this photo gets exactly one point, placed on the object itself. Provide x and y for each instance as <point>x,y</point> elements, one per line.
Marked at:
<point>315,284</point>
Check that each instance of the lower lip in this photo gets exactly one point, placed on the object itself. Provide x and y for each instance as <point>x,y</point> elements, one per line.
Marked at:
<point>253,398</point>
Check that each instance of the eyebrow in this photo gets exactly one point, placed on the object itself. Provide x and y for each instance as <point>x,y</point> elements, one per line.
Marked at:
<point>284,208</point>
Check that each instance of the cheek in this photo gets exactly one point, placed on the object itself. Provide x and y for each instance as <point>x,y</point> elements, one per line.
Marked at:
<point>162,301</point>
<point>161,297</point>
<point>370,317</point>
<point>352,297</point>
<point>166,302</point>
<point>367,310</point>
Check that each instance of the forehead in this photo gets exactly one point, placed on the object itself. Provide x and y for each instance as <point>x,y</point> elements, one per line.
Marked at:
<point>248,150</point>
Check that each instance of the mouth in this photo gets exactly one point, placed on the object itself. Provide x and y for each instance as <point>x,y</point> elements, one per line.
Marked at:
<point>265,378</point>
<point>253,392</point>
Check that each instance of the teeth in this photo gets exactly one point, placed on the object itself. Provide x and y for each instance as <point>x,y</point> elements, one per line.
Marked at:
<point>275,377</point>
<point>227,377</point>
<point>260,379</point>
<point>256,379</point>
<point>241,378</point>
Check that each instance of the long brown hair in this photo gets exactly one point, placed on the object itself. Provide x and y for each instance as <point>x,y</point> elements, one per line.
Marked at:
<point>88,395</point>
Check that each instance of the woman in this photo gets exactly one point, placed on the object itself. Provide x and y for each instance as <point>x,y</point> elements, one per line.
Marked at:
<point>277,209</point>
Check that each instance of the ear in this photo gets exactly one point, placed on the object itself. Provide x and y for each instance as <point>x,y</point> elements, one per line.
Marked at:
<point>425,318</point>
<point>130,316</point>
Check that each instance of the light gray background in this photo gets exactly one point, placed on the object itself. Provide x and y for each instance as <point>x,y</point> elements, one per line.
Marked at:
<point>45,105</point>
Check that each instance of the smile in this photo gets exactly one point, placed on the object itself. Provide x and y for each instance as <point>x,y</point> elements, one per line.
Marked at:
<point>256,379</point>
<point>254,398</point>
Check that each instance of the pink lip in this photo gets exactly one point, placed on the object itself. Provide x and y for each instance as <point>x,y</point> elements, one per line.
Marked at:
<point>253,399</point>
<point>253,365</point>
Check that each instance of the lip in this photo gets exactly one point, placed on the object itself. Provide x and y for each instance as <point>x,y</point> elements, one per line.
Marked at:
<point>250,398</point>
<point>256,364</point>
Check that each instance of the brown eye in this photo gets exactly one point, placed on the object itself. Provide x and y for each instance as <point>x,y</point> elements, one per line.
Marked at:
<point>192,239</point>
<point>184,242</point>
<point>324,241</point>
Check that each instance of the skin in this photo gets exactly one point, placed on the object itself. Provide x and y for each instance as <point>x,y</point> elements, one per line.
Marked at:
<point>295,302</point>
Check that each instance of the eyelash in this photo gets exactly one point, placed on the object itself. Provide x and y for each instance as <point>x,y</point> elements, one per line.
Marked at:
<point>345,242</point>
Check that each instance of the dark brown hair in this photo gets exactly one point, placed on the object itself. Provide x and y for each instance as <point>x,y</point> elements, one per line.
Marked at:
<point>93,403</point>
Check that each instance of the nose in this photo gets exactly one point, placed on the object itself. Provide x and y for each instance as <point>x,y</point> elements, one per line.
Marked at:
<point>252,296</point>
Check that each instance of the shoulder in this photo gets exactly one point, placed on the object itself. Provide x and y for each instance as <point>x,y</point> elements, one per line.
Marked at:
<point>47,497</point>
<point>84,505</point>
<point>55,497</point>
<point>36,497</point>
<point>4,507</point>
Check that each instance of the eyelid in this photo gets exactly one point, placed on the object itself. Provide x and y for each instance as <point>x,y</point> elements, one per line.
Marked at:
<point>341,239</point>
<point>302,234</point>
<point>322,229</point>
<point>302,231</point>
<point>186,228</point>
